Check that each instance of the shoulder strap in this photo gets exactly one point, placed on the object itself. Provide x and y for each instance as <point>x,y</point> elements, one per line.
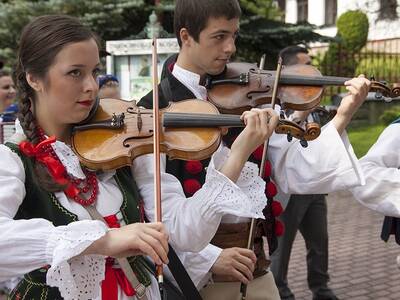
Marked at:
<point>181,276</point>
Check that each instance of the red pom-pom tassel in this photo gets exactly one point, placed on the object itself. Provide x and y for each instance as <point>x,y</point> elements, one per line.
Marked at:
<point>267,169</point>
<point>257,154</point>
<point>277,208</point>
<point>191,186</point>
<point>279,228</point>
<point>270,190</point>
<point>194,167</point>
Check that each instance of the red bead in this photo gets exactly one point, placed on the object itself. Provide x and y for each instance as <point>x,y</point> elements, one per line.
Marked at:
<point>85,189</point>
<point>191,186</point>
<point>277,208</point>
<point>270,190</point>
<point>257,154</point>
<point>193,167</point>
<point>267,169</point>
<point>279,228</point>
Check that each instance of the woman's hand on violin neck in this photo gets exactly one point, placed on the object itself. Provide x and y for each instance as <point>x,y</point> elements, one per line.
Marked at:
<point>358,90</point>
<point>134,239</point>
<point>260,124</point>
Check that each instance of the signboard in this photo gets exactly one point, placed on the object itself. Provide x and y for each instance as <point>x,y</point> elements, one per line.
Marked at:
<point>130,62</point>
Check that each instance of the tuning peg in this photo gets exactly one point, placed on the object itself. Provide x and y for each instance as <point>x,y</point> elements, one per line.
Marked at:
<point>304,143</point>
<point>378,95</point>
<point>289,137</point>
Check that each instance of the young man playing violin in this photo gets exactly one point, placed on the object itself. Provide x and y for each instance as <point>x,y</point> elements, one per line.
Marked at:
<point>206,31</point>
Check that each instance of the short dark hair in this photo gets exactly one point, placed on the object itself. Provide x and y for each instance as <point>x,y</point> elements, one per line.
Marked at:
<point>288,54</point>
<point>194,14</point>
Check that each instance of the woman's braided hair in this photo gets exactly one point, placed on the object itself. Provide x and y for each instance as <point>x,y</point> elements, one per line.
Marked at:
<point>41,40</point>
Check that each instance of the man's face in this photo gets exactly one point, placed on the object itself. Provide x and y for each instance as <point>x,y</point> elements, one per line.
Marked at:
<point>215,46</point>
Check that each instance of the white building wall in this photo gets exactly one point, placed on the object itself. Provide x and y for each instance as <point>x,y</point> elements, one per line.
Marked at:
<point>382,29</point>
<point>316,12</point>
<point>291,11</point>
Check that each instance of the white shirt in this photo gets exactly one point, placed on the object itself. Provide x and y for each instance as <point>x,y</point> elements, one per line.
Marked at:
<point>328,164</point>
<point>191,81</point>
<point>381,191</point>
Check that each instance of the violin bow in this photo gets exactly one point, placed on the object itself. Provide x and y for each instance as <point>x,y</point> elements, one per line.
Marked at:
<point>250,241</point>
<point>156,151</point>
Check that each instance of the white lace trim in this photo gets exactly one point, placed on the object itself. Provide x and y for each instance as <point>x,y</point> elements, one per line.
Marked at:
<point>69,159</point>
<point>77,277</point>
<point>246,198</point>
<point>253,186</point>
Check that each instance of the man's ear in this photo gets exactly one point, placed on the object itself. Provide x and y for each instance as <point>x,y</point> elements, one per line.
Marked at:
<point>34,82</point>
<point>185,37</point>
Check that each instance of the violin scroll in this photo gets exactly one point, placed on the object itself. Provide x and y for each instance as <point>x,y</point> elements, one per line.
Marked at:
<point>383,90</point>
<point>292,130</point>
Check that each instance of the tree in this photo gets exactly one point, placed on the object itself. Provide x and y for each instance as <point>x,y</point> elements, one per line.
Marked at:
<point>263,8</point>
<point>261,30</point>
<point>110,19</point>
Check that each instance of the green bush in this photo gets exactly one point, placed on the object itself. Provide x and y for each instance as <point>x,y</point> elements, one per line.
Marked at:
<point>353,29</point>
<point>352,35</point>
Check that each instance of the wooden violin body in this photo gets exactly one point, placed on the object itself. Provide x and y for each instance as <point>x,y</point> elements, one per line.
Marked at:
<point>104,144</point>
<point>254,88</point>
<point>300,87</point>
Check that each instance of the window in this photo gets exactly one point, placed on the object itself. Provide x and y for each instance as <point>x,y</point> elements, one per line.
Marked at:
<point>330,12</point>
<point>302,10</point>
<point>388,10</point>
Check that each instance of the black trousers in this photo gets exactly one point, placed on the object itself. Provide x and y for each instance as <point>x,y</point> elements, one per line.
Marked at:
<point>308,214</point>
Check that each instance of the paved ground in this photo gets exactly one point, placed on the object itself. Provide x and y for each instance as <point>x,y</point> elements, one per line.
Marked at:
<point>361,265</point>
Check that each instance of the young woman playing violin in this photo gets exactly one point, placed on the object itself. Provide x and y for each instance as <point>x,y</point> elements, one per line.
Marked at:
<point>46,230</point>
<point>206,31</point>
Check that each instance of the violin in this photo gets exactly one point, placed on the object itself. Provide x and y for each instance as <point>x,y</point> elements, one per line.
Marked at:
<point>120,131</point>
<point>245,86</point>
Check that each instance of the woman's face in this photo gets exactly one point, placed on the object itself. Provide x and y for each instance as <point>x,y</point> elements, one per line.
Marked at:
<point>68,91</point>
<point>7,92</point>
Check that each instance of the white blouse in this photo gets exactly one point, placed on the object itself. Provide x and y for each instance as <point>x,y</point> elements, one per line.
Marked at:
<point>381,191</point>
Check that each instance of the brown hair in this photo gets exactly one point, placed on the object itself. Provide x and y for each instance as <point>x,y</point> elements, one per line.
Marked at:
<point>41,40</point>
<point>194,14</point>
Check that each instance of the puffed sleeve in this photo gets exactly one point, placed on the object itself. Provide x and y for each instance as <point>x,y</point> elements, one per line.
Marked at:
<point>328,163</point>
<point>26,245</point>
<point>381,191</point>
<point>192,222</point>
